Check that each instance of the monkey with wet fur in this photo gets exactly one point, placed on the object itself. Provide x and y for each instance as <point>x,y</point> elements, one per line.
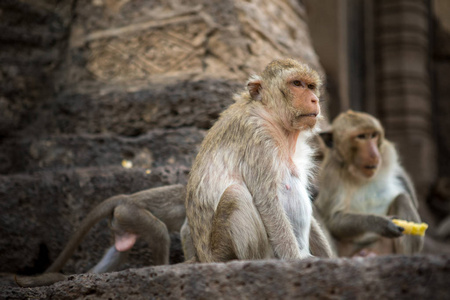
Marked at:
<point>361,186</point>
<point>247,194</point>
<point>150,214</point>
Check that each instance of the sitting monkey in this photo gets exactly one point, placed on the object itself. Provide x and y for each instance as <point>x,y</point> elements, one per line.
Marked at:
<point>259,149</point>
<point>247,195</point>
<point>361,186</point>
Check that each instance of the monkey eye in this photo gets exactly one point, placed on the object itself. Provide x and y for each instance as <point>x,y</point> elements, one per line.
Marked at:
<point>367,136</point>
<point>298,83</point>
<point>311,86</point>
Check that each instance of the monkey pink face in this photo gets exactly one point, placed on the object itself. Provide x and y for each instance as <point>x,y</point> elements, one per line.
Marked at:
<point>367,156</point>
<point>305,103</point>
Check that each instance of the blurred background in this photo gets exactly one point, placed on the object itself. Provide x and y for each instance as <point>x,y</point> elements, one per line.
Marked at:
<point>102,97</point>
<point>391,59</point>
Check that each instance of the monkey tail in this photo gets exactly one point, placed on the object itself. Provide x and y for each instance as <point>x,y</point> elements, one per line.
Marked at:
<point>40,280</point>
<point>102,210</point>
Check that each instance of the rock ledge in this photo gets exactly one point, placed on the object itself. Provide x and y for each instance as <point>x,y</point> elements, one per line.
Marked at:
<point>388,277</point>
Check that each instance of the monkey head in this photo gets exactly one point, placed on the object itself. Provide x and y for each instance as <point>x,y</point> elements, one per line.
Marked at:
<point>357,139</point>
<point>290,89</point>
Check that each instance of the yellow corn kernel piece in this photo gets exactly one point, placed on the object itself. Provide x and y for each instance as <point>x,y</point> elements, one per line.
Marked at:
<point>411,227</point>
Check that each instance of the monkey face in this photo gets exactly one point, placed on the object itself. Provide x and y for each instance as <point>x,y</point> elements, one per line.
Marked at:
<point>290,89</point>
<point>365,151</point>
<point>303,103</point>
<point>358,137</point>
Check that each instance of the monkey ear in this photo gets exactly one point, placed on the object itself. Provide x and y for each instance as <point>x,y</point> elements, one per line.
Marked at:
<point>254,88</point>
<point>327,138</point>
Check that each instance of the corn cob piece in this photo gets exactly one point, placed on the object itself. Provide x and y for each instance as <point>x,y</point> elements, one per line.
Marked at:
<point>411,227</point>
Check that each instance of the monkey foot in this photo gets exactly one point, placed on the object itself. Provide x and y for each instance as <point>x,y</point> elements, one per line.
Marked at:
<point>365,253</point>
<point>125,242</point>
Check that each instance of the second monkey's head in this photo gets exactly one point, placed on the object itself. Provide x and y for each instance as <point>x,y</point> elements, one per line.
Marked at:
<point>358,139</point>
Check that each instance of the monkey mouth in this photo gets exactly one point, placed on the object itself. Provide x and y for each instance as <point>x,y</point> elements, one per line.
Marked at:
<point>309,115</point>
<point>371,167</point>
<point>369,170</point>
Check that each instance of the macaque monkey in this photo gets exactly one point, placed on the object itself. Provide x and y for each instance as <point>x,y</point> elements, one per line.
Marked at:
<point>150,214</point>
<point>247,194</point>
<point>362,186</point>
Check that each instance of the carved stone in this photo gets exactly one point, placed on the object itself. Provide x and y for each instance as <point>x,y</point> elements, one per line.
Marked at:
<point>403,85</point>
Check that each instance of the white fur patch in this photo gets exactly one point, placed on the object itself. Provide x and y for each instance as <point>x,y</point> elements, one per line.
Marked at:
<point>295,197</point>
<point>297,205</point>
<point>376,196</point>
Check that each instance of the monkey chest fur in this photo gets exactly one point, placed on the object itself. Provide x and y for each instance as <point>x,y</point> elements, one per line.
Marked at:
<point>375,198</point>
<point>297,206</point>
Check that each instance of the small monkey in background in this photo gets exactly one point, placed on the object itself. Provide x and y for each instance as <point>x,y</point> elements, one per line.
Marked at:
<point>361,185</point>
<point>247,194</point>
<point>150,214</point>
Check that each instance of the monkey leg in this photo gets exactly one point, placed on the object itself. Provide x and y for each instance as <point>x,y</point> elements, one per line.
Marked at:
<point>111,261</point>
<point>130,222</point>
<point>187,243</point>
<point>237,230</point>
<point>403,208</point>
<point>320,241</point>
<point>443,229</point>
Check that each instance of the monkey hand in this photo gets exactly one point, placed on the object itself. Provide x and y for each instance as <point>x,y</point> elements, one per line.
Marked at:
<point>411,227</point>
<point>387,228</point>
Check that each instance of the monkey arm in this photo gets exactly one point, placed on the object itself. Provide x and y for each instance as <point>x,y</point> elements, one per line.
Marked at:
<point>318,241</point>
<point>344,225</point>
<point>408,186</point>
<point>187,243</point>
<point>402,207</point>
<point>273,216</point>
<point>279,229</point>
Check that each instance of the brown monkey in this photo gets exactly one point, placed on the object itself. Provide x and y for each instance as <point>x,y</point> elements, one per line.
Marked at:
<point>247,192</point>
<point>362,184</point>
<point>150,214</point>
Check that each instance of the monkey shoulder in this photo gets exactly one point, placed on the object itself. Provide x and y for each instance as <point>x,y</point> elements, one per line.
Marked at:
<point>332,185</point>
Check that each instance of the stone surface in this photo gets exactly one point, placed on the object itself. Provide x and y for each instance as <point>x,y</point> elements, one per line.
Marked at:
<point>33,35</point>
<point>132,41</point>
<point>155,148</point>
<point>132,111</point>
<point>390,277</point>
